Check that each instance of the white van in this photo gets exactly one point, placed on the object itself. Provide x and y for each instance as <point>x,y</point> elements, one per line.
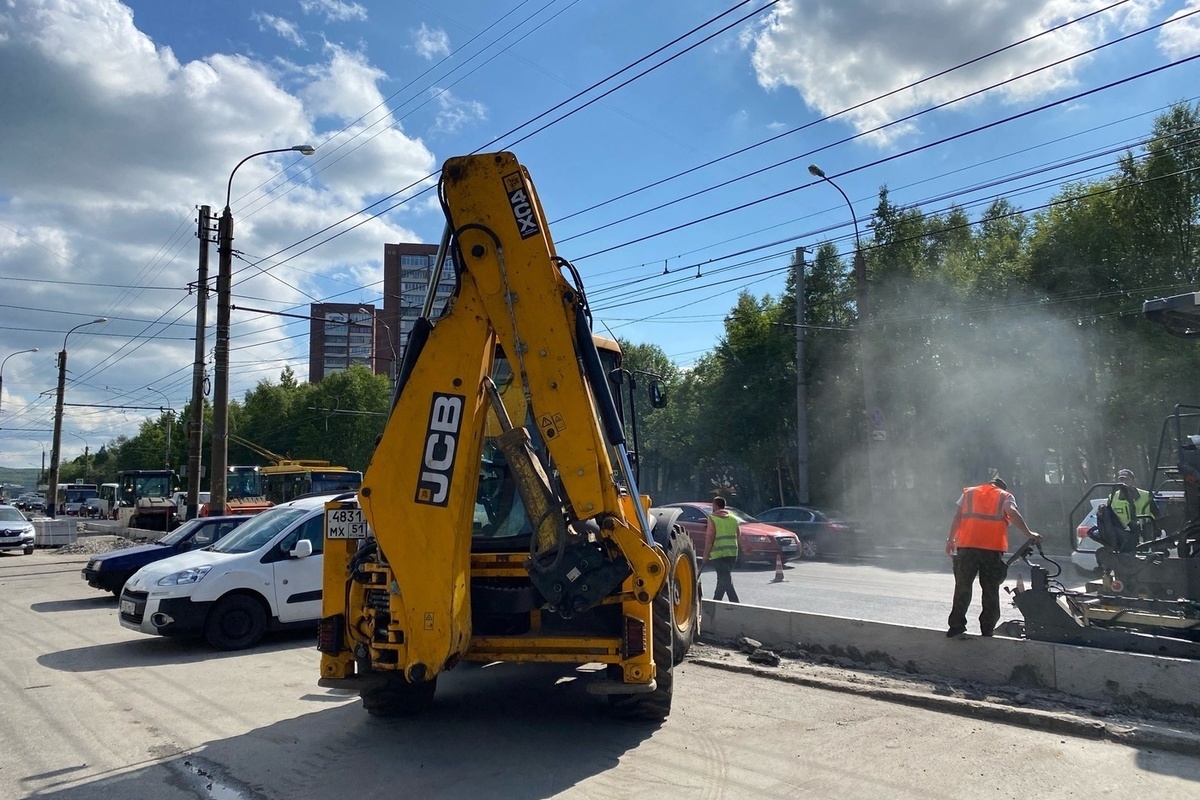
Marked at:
<point>180,499</point>
<point>266,575</point>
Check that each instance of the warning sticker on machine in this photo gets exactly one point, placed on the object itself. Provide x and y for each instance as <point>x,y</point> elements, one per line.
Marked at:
<point>551,425</point>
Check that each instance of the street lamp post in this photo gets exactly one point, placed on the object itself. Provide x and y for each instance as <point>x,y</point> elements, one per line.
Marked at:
<point>876,432</point>
<point>55,447</point>
<point>391,345</point>
<point>170,412</point>
<point>87,466</point>
<point>5,361</point>
<point>220,436</point>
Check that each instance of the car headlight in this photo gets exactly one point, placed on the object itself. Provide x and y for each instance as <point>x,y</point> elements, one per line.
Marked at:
<point>758,539</point>
<point>185,576</point>
<point>95,565</point>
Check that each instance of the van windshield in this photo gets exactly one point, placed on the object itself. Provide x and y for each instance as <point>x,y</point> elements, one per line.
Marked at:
<point>260,530</point>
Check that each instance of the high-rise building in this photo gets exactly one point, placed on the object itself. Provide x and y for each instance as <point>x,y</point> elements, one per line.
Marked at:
<point>407,271</point>
<point>341,334</point>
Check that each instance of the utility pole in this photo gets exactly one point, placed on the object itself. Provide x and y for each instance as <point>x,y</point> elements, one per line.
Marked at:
<point>801,387</point>
<point>196,427</point>
<point>220,434</point>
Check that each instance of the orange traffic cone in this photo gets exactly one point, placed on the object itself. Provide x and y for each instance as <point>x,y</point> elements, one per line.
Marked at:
<point>778,569</point>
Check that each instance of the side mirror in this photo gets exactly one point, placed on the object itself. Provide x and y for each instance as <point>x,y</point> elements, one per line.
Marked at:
<point>303,549</point>
<point>658,394</point>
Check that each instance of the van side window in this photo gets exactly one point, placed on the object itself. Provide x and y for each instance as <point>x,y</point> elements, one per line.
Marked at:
<point>312,529</point>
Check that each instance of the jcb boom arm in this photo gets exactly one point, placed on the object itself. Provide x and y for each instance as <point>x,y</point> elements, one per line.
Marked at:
<point>402,606</point>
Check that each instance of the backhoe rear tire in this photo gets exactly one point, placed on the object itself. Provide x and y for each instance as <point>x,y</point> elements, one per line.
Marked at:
<point>685,592</point>
<point>396,697</point>
<point>654,706</point>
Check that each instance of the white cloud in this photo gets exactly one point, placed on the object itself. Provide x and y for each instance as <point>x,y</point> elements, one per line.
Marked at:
<point>110,144</point>
<point>334,10</point>
<point>284,27</point>
<point>454,113</point>
<point>839,53</point>
<point>1182,38</point>
<point>431,43</point>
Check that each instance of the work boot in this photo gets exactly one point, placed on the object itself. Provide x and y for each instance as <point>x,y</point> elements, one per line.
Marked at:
<point>953,632</point>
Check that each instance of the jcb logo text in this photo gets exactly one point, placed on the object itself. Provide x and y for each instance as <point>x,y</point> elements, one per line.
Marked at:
<point>440,450</point>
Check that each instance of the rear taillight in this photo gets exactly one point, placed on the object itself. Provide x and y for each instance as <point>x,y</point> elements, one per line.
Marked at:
<point>329,634</point>
<point>633,638</point>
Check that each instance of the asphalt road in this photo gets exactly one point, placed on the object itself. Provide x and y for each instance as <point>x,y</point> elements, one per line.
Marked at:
<point>92,710</point>
<point>900,587</point>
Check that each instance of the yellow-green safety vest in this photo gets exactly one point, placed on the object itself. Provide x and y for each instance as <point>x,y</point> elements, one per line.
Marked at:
<point>725,537</point>
<point>1120,506</point>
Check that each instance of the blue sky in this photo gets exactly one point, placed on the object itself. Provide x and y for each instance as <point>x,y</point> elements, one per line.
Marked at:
<point>120,119</point>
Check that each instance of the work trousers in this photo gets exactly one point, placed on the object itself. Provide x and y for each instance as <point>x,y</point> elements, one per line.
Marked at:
<point>724,568</point>
<point>989,566</point>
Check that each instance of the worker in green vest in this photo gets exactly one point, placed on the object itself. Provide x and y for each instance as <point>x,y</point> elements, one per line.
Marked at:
<point>721,548</point>
<point>1133,506</point>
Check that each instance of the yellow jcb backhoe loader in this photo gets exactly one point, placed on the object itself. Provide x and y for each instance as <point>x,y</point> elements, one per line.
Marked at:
<point>499,519</point>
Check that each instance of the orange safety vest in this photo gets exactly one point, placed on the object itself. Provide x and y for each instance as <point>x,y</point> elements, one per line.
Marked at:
<point>983,523</point>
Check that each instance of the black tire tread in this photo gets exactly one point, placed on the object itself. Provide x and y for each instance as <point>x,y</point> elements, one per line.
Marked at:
<point>396,697</point>
<point>654,706</point>
<point>681,545</point>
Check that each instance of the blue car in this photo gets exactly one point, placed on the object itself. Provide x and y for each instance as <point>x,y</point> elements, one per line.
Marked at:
<point>109,571</point>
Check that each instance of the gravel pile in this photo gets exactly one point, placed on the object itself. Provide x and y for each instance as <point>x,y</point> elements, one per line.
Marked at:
<point>93,545</point>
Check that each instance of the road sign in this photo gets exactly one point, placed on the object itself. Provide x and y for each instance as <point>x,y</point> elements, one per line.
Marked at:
<point>879,436</point>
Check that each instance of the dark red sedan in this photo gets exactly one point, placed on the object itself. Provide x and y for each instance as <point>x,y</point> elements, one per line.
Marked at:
<point>758,542</point>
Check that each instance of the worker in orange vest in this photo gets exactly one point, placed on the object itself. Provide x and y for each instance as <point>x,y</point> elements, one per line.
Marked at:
<point>977,543</point>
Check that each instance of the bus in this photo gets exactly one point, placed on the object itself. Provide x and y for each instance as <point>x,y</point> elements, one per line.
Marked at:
<point>71,496</point>
<point>287,481</point>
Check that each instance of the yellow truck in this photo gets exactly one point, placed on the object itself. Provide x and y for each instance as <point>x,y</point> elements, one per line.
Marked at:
<point>499,518</point>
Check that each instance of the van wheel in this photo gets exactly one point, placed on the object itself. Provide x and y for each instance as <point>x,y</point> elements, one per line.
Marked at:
<point>396,697</point>
<point>235,623</point>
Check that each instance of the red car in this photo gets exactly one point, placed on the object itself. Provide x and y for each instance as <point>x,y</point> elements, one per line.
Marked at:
<point>757,541</point>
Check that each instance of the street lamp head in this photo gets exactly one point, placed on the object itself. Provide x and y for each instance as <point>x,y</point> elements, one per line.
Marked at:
<point>96,321</point>
<point>305,149</point>
<point>815,171</point>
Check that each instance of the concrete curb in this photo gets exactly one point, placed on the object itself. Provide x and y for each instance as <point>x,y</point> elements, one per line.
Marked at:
<point>1141,681</point>
<point>1140,736</point>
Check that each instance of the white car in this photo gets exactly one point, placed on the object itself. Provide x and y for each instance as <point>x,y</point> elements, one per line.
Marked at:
<point>1084,554</point>
<point>266,575</point>
<point>16,532</point>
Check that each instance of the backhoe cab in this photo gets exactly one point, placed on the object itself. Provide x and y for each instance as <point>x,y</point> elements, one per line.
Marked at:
<point>499,518</point>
